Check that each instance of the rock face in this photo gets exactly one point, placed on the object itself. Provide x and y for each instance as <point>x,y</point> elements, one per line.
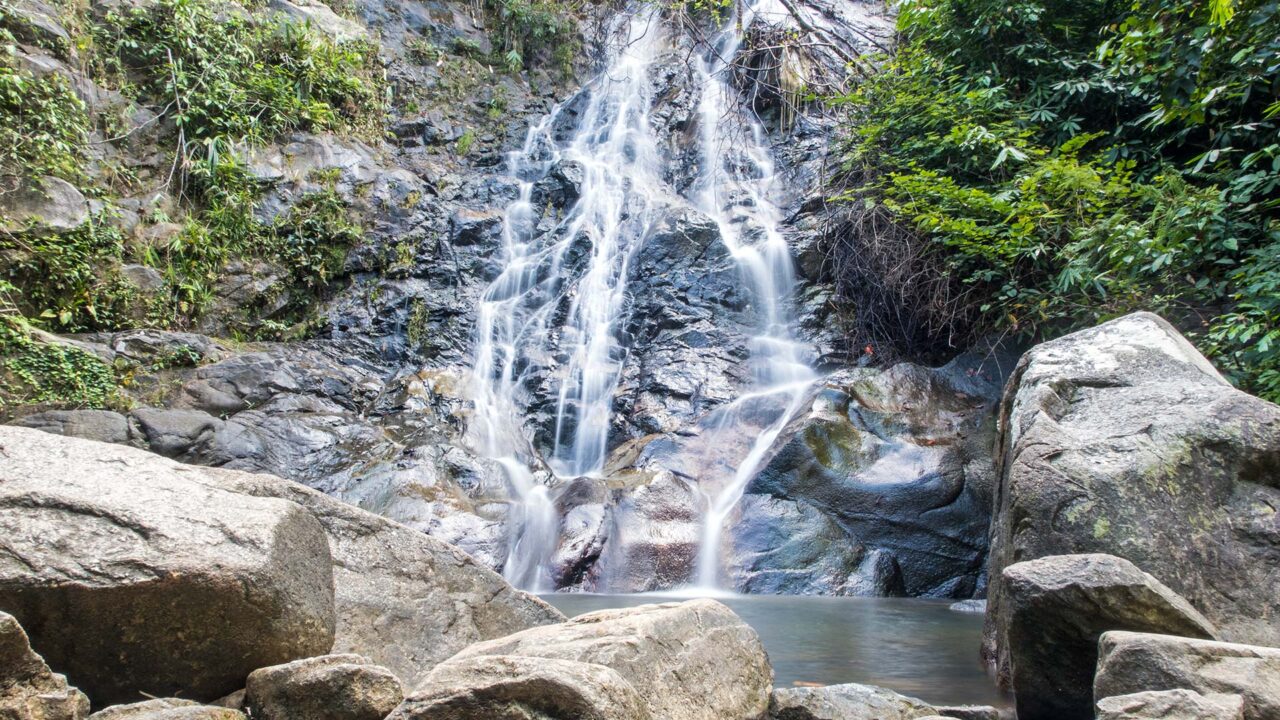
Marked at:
<point>133,574</point>
<point>330,687</point>
<point>1122,439</point>
<point>46,205</point>
<point>167,709</point>
<point>405,600</point>
<point>1135,662</point>
<point>1058,606</point>
<point>684,661</point>
<point>846,702</point>
<point>28,689</point>
<point>511,688</point>
<point>1171,705</point>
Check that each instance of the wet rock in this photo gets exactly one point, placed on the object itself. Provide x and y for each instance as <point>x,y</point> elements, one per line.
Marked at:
<point>653,543</point>
<point>43,206</point>
<point>845,702</point>
<point>501,687</point>
<point>1131,662</point>
<point>687,661</point>
<point>28,689</point>
<point>330,687</point>
<point>174,433</point>
<point>790,548</point>
<point>976,607</point>
<point>138,574</point>
<point>167,709</point>
<point>1171,705</point>
<point>161,348</point>
<point>100,425</point>
<point>405,600</point>
<point>898,461</point>
<point>1123,439</point>
<point>1058,606</point>
<point>584,509</point>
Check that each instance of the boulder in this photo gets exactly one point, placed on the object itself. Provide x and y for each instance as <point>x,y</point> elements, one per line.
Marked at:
<point>321,17</point>
<point>695,660</point>
<point>167,709</point>
<point>45,205</point>
<point>846,702</point>
<point>1171,705</point>
<point>134,574</point>
<point>1123,439</point>
<point>500,687</point>
<point>969,712</point>
<point>1058,606</point>
<point>405,600</point>
<point>1131,662</point>
<point>330,687</point>
<point>28,689</point>
<point>174,433</point>
<point>100,425</point>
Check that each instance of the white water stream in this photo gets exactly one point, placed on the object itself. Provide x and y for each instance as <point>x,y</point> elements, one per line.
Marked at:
<point>622,197</point>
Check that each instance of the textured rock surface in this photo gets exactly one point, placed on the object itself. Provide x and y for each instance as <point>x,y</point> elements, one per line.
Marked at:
<point>1133,662</point>
<point>969,712</point>
<point>28,689</point>
<point>687,661</point>
<point>1123,439</point>
<point>167,709</point>
<point>513,688</point>
<point>329,687</point>
<point>405,600</point>
<point>47,205</point>
<point>846,702</point>
<point>135,574</point>
<point>1058,606</point>
<point>1171,705</point>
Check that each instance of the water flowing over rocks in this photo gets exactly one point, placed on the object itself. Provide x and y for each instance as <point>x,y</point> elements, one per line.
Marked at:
<point>1058,606</point>
<point>1131,662</point>
<point>684,661</point>
<point>29,690</point>
<point>197,585</point>
<point>1122,439</point>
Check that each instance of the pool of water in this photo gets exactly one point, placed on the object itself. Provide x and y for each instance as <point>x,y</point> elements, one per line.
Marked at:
<point>916,647</point>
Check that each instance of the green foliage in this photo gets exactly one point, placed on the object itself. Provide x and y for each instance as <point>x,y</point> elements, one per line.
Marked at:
<point>530,27</point>
<point>1069,162</point>
<point>61,375</point>
<point>43,124</point>
<point>223,75</point>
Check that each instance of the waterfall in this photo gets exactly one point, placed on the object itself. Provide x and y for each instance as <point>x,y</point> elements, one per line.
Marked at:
<point>736,189</point>
<point>535,309</point>
<point>559,307</point>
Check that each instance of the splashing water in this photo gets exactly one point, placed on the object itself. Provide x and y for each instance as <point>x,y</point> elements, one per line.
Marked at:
<point>735,189</point>
<point>618,203</point>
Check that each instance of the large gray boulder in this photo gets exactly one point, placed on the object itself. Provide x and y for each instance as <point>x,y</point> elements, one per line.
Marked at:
<point>846,702</point>
<point>1131,662</point>
<point>404,600</point>
<point>134,574</point>
<point>329,687</point>
<point>512,688</point>
<point>28,689</point>
<point>695,660</point>
<point>1171,705</point>
<point>1058,606</point>
<point>1123,439</point>
<point>167,709</point>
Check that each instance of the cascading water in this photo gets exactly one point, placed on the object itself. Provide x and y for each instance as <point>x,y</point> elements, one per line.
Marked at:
<point>542,310</point>
<point>618,202</point>
<point>736,189</point>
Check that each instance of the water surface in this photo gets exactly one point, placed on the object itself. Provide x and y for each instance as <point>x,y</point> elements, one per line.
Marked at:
<point>916,647</point>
